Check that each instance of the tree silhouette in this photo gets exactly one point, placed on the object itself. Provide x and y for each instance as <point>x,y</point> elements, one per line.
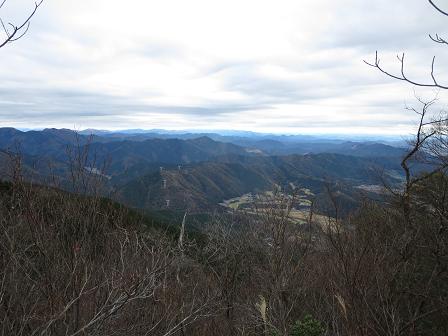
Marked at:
<point>402,75</point>
<point>14,31</point>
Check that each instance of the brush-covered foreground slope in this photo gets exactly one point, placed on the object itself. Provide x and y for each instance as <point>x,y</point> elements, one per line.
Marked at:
<point>204,185</point>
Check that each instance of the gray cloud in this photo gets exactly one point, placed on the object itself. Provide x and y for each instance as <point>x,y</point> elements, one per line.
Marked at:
<point>306,66</point>
<point>54,104</point>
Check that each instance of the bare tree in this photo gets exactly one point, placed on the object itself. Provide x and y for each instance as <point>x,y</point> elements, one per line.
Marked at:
<point>412,241</point>
<point>15,31</point>
<point>77,264</point>
<point>402,75</point>
<point>428,147</point>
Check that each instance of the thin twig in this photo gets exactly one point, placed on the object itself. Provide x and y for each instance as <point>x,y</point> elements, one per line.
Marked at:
<point>438,8</point>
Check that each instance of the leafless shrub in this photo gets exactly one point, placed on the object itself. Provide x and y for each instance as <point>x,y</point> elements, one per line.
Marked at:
<point>78,264</point>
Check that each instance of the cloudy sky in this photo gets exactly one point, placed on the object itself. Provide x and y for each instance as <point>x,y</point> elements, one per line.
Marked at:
<point>289,66</point>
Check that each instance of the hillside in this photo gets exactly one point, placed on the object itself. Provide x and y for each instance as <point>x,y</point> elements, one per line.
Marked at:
<point>125,155</point>
<point>204,185</point>
<point>49,153</point>
<point>119,156</point>
<point>199,172</point>
<point>55,201</point>
<point>48,142</point>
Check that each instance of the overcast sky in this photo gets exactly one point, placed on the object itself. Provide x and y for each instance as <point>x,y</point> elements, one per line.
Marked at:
<point>290,66</point>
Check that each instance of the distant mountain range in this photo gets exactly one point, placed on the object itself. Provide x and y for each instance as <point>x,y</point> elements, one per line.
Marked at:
<point>182,147</point>
<point>245,138</point>
<point>199,170</point>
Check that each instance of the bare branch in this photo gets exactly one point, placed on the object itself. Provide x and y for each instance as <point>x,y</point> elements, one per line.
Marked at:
<point>438,39</point>
<point>403,76</point>
<point>437,7</point>
<point>19,31</point>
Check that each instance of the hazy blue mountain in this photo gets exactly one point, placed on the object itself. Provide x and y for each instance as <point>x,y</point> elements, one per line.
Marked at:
<point>270,144</point>
<point>209,169</point>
